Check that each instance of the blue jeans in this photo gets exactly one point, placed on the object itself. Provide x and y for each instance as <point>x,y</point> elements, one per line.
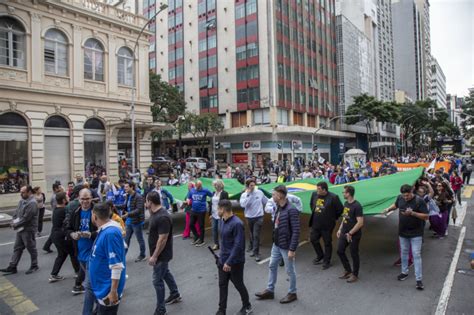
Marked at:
<point>89,297</point>
<point>162,273</point>
<point>215,231</point>
<point>415,243</point>
<point>138,230</point>
<point>276,255</point>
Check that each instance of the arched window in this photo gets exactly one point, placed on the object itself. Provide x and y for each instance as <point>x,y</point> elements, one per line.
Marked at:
<point>12,43</point>
<point>55,53</point>
<point>56,122</point>
<point>13,152</point>
<point>94,123</point>
<point>93,60</point>
<point>125,66</point>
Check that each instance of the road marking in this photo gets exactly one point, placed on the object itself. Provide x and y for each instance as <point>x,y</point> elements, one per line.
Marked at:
<point>448,283</point>
<point>467,193</point>
<point>10,243</point>
<point>261,262</point>
<point>15,299</point>
<point>181,234</point>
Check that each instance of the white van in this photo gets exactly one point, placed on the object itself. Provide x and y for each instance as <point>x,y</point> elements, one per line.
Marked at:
<point>201,163</point>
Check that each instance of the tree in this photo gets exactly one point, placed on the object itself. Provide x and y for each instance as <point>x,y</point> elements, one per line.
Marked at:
<point>468,115</point>
<point>168,101</point>
<point>369,108</point>
<point>202,125</point>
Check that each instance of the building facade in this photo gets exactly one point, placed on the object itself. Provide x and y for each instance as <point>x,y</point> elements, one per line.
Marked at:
<point>411,38</point>
<point>454,106</point>
<point>267,68</point>
<point>438,84</point>
<point>66,74</point>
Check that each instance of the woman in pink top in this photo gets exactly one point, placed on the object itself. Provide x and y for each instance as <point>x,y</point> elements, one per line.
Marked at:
<point>456,185</point>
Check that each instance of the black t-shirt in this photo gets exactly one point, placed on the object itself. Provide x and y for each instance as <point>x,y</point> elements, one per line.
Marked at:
<point>349,216</point>
<point>409,226</point>
<point>326,210</point>
<point>161,223</point>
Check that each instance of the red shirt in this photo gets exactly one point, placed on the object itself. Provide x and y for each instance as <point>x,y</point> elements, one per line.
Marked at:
<point>456,182</point>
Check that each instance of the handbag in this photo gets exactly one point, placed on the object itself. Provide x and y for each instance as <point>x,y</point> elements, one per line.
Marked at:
<point>454,214</point>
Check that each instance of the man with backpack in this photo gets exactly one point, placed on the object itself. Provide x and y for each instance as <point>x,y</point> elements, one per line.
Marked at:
<point>466,170</point>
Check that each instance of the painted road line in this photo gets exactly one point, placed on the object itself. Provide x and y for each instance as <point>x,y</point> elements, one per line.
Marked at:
<point>448,283</point>
<point>15,299</point>
<point>181,234</point>
<point>261,262</point>
<point>11,243</point>
<point>467,193</point>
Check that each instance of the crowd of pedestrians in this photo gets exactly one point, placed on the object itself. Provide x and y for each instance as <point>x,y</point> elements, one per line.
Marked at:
<point>93,224</point>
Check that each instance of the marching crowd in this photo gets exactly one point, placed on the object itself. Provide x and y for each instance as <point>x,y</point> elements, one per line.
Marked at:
<point>93,223</point>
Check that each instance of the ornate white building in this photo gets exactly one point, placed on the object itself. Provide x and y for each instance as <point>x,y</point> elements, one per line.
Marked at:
<point>66,77</point>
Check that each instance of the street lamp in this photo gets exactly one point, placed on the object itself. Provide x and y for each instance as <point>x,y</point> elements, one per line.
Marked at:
<point>328,123</point>
<point>132,104</point>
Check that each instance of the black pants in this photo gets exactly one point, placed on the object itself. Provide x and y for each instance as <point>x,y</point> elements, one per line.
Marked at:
<point>40,219</point>
<point>255,227</point>
<point>64,248</point>
<point>326,234</point>
<point>199,217</point>
<point>354,248</point>
<point>48,243</point>
<point>107,310</point>
<point>466,178</point>
<point>236,275</point>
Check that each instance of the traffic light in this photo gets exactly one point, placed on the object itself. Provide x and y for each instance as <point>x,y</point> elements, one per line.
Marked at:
<point>315,147</point>
<point>279,146</point>
<point>217,145</point>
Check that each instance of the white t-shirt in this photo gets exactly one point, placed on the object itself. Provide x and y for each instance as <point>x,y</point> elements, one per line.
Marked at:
<point>215,203</point>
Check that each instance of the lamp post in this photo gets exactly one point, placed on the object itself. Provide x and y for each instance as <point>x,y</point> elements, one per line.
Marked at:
<point>132,104</point>
<point>328,123</point>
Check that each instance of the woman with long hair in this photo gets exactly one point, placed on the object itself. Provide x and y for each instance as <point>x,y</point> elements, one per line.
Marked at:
<point>187,209</point>
<point>456,185</point>
<point>439,223</point>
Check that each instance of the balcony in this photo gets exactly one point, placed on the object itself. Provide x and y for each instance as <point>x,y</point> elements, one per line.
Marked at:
<point>100,7</point>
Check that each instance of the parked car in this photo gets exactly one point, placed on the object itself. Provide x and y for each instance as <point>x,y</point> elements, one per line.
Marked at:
<point>201,163</point>
<point>162,165</point>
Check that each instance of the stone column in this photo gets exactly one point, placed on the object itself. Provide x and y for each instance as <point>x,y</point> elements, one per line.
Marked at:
<point>78,144</point>
<point>36,53</point>
<point>112,159</point>
<point>144,150</point>
<point>37,172</point>
<point>77,67</point>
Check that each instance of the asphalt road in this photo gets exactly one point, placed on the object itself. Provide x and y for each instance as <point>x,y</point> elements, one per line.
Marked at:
<point>377,292</point>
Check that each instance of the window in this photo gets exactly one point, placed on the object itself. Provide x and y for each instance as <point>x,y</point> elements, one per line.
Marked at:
<point>240,53</point>
<point>252,50</point>
<point>213,103</point>
<point>240,32</point>
<point>93,60</point>
<point>179,18</point>
<point>252,28</point>
<point>125,66</point>
<point>56,122</point>
<point>171,73</point>
<point>298,119</point>
<point>241,74</point>
<point>254,94</point>
<point>179,35</point>
<point>202,45</point>
<point>252,72</point>
<point>251,7</point>
<point>282,117</point>
<point>152,63</point>
<point>239,119</point>
<point>261,116</point>
<point>179,53</point>
<point>55,53</point>
<point>204,102</point>
<point>211,5</point>
<point>240,11</point>
<point>312,121</point>
<point>212,61</point>
<point>12,43</point>
<point>211,42</point>
<point>242,96</point>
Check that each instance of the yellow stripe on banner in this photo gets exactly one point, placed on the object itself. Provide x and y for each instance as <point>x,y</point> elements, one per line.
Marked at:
<point>467,193</point>
<point>15,299</point>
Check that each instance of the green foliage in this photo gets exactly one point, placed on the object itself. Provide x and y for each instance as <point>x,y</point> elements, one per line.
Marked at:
<point>468,115</point>
<point>202,125</point>
<point>369,108</point>
<point>168,101</point>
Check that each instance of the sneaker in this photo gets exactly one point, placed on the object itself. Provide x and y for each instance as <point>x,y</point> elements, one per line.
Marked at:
<point>194,242</point>
<point>53,278</point>
<point>245,310</point>
<point>200,243</point>
<point>252,255</point>
<point>215,247</point>
<point>9,270</point>
<point>258,258</point>
<point>419,285</point>
<point>140,258</point>
<point>31,270</point>
<point>78,289</point>
<point>402,276</point>
<point>318,261</point>
<point>172,299</point>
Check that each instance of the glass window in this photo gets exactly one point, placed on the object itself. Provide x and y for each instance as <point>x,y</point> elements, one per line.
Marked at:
<point>252,72</point>
<point>172,56</point>
<point>252,50</point>
<point>261,116</point>
<point>254,94</point>
<point>93,60</point>
<point>202,7</point>
<point>241,74</point>
<point>240,32</point>
<point>55,52</point>
<point>125,66</point>
<point>179,53</point>
<point>171,73</point>
<point>282,116</point>
<point>179,71</point>
<point>94,123</point>
<point>202,45</point>
<point>12,43</point>
<point>212,61</point>
<point>242,96</point>
<point>251,6</point>
<point>240,52</point>
<point>212,41</point>
<point>152,63</point>
<point>240,11</point>
<point>202,64</point>
<point>179,35</point>
<point>203,83</point>
<point>252,28</point>
<point>56,122</point>
<point>211,5</point>
<point>171,19</point>
<point>213,101</point>
<point>179,18</point>
<point>204,102</point>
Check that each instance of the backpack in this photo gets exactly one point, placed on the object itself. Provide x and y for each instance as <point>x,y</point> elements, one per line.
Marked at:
<point>469,167</point>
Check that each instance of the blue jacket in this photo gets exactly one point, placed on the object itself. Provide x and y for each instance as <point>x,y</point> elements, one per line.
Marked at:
<point>166,199</point>
<point>232,241</point>
<point>119,197</point>
<point>288,227</point>
<point>198,198</point>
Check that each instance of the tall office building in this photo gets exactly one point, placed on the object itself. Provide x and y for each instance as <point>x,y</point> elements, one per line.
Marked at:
<point>438,84</point>
<point>268,68</point>
<point>411,40</point>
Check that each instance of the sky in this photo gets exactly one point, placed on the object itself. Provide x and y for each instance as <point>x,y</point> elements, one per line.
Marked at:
<point>452,42</point>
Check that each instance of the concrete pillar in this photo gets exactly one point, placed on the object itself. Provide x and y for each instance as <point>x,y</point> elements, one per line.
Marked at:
<point>36,47</point>
<point>78,143</point>
<point>144,150</point>
<point>37,174</point>
<point>112,61</point>
<point>77,68</point>
<point>112,159</point>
